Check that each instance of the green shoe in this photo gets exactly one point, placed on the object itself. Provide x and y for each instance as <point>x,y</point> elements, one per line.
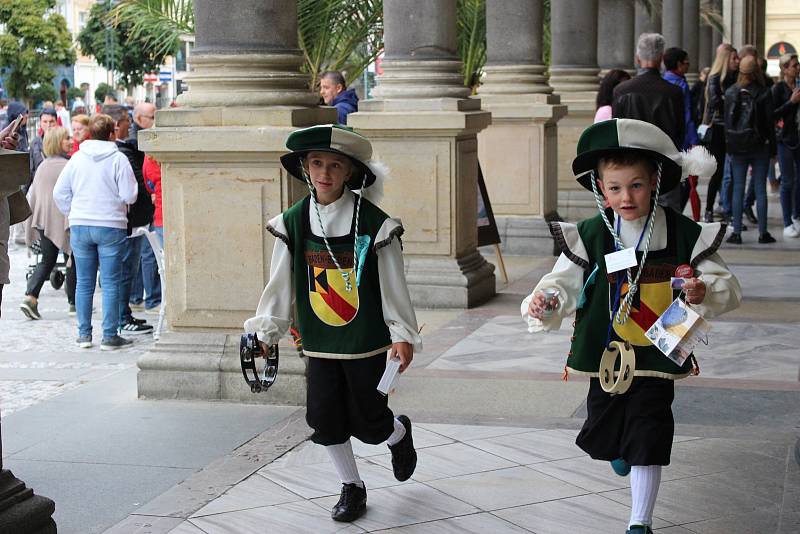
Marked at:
<point>639,529</point>
<point>621,467</point>
<point>30,307</point>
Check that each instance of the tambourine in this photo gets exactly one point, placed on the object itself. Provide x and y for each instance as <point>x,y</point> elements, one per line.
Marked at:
<point>249,350</point>
<point>627,366</point>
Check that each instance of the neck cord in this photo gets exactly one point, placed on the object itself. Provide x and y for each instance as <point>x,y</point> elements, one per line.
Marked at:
<point>633,283</point>
<point>346,275</point>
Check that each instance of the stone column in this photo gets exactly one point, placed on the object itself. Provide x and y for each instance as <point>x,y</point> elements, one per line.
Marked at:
<point>615,40</point>
<point>672,22</point>
<point>424,127</point>
<point>573,26</point>
<point>691,30</point>
<point>522,188</point>
<point>705,48</point>
<point>219,153</point>
<point>573,75</point>
<point>745,22</point>
<point>645,22</point>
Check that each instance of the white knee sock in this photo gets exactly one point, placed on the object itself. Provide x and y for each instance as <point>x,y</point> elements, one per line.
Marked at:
<point>645,480</point>
<point>345,463</point>
<point>398,434</point>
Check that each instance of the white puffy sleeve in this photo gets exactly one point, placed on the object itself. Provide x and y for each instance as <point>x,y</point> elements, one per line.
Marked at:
<point>395,299</point>
<point>274,313</point>
<point>723,292</point>
<point>566,277</point>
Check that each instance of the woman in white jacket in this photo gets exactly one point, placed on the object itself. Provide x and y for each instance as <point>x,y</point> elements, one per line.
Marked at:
<point>94,190</point>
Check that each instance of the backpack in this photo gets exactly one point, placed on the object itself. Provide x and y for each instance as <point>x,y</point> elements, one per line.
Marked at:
<point>741,129</point>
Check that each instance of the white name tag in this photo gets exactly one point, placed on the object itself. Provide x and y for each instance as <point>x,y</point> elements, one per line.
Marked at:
<point>622,259</point>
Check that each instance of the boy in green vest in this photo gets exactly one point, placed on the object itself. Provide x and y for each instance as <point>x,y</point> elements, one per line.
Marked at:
<point>338,263</point>
<point>615,274</point>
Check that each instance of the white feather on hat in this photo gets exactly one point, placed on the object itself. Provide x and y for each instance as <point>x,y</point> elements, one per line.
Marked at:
<point>697,161</point>
<point>374,193</point>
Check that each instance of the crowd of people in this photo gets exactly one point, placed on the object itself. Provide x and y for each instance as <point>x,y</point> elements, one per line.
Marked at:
<point>742,116</point>
<point>90,186</point>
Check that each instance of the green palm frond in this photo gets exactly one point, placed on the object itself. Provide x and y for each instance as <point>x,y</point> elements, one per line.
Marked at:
<point>471,35</point>
<point>158,23</point>
<point>344,35</point>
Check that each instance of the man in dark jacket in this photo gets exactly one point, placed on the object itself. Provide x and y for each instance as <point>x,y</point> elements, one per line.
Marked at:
<point>334,92</point>
<point>47,119</point>
<point>139,214</point>
<point>648,97</point>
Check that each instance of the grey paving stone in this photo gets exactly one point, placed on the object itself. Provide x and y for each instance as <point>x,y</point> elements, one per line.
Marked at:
<point>469,524</point>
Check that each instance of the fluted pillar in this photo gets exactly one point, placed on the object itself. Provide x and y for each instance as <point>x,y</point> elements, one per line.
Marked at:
<point>646,22</point>
<point>573,27</point>
<point>615,40</point>
<point>219,154</point>
<point>691,36</point>
<point>424,127</point>
<point>672,22</point>
<point>522,188</point>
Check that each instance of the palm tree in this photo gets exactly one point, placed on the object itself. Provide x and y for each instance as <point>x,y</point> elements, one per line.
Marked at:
<point>344,35</point>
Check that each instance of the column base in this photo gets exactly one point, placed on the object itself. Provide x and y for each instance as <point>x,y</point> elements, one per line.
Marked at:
<point>526,235</point>
<point>22,512</point>
<point>436,282</point>
<point>206,366</point>
<point>573,79</point>
<point>515,79</point>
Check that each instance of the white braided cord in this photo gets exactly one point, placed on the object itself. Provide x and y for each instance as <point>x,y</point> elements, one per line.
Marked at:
<point>633,283</point>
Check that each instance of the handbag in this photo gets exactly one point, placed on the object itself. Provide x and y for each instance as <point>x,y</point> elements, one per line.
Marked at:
<point>18,207</point>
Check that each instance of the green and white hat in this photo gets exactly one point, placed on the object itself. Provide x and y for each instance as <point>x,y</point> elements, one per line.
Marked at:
<point>338,140</point>
<point>619,135</point>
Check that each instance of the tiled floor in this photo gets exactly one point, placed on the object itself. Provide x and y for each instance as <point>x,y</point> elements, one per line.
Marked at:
<point>501,480</point>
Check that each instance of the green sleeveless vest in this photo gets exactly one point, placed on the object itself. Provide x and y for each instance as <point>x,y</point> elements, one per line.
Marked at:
<point>652,299</point>
<point>333,322</point>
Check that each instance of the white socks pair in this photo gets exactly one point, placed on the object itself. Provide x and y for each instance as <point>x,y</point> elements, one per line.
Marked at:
<point>345,462</point>
<point>645,480</point>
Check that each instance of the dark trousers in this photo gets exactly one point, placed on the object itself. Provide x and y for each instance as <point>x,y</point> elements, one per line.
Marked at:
<point>343,401</point>
<point>717,149</point>
<point>45,267</point>
<point>131,256</point>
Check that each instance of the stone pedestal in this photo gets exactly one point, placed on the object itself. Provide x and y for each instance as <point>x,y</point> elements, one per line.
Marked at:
<point>519,159</point>
<point>22,512</point>
<point>222,181</point>
<point>431,149</point>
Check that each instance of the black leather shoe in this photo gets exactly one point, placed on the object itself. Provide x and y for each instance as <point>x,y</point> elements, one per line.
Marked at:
<point>735,239</point>
<point>748,212</point>
<point>709,218</point>
<point>766,237</point>
<point>404,457</point>
<point>352,503</point>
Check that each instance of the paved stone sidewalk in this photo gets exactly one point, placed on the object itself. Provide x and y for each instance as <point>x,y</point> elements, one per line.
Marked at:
<point>496,479</point>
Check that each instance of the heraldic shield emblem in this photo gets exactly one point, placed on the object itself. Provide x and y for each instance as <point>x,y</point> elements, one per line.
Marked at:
<point>652,299</point>
<point>331,302</point>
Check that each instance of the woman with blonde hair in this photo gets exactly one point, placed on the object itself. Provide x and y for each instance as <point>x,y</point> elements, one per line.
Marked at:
<point>47,224</point>
<point>750,143</point>
<point>720,78</point>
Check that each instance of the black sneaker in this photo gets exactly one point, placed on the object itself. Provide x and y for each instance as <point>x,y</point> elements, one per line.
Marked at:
<point>404,457</point>
<point>748,212</point>
<point>115,343</point>
<point>352,503</point>
<point>735,239</point>
<point>135,327</point>
<point>709,218</point>
<point>766,237</point>
<point>84,342</point>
